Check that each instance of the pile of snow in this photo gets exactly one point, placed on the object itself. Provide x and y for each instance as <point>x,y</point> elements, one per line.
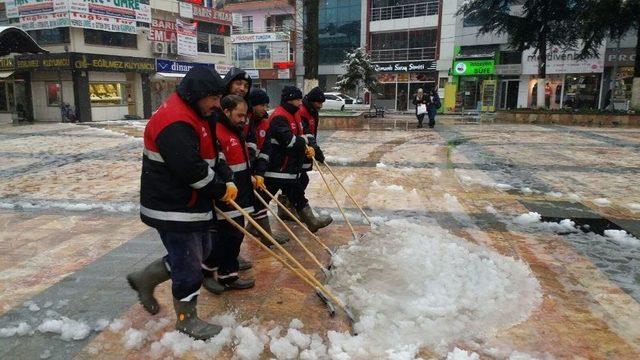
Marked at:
<point>338,160</point>
<point>529,218</point>
<point>381,165</point>
<point>503,187</point>
<point>622,237</point>
<point>459,354</point>
<point>634,207</point>
<point>19,330</point>
<point>427,287</point>
<point>554,194</point>
<point>602,202</point>
<point>68,329</point>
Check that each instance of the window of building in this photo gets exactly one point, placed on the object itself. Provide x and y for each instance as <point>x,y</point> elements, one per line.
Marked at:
<point>404,45</point>
<point>107,93</point>
<point>211,37</point>
<point>261,55</point>
<point>399,9</point>
<point>339,29</point>
<point>106,38</point>
<point>442,83</point>
<point>247,23</point>
<point>54,93</point>
<point>510,57</point>
<point>51,36</point>
<point>280,22</point>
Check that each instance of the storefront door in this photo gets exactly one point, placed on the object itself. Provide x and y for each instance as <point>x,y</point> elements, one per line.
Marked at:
<point>509,94</point>
<point>22,108</point>
<point>131,99</point>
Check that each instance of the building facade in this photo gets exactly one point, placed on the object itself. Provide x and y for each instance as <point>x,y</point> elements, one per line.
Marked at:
<point>403,40</point>
<point>107,67</point>
<point>264,44</point>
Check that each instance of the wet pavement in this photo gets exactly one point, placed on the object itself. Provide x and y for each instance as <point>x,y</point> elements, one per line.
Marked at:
<point>69,231</point>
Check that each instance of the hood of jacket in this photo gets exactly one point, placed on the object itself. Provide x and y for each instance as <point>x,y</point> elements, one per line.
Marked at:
<point>199,83</point>
<point>236,74</point>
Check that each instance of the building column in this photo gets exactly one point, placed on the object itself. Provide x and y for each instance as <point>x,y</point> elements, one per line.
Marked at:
<point>28,96</point>
<point>81,95</point>
<point>146,95</point>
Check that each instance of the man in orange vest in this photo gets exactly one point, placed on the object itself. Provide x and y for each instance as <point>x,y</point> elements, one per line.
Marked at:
<point>180,178</point>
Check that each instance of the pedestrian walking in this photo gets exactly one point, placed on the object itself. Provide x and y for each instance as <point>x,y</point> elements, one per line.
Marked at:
<point>178,184</point>
<point>420,102</point>
<point>433,104</point>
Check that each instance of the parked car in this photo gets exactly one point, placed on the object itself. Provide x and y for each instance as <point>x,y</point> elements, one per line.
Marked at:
<point>337,101</point>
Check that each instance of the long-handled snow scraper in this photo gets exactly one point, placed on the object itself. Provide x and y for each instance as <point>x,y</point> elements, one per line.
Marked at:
<point>366,217</point>
<point>325,271</point>
<point>318,286</point>
<point>356,236</point>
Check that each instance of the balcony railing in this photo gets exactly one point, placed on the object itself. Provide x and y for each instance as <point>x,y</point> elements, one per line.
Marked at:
<point>239,30</point>
<point>429,7</point>
<point>427,53</point>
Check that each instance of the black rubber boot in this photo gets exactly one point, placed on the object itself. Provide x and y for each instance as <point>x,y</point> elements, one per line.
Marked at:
<point>244,264</point>
<point>240,284</point>
<point>189,323</point>
<point>212,285</point>
<point>313,223</point>
<point>264,223</point>
<point>283,214</point>
<point>146,280</point>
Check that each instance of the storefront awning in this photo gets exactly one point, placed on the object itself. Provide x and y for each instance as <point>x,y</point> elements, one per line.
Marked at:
<point>5,74</point>
<point>477,52</point>
<point>163,75</point>
<point>16,40</point>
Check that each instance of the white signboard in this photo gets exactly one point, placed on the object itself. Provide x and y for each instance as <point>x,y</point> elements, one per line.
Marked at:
<point>100,22</point>
<point>187,38</point>
<point>45,21</point>
<point>186,10</point>
<point>260,37</point>
<point>564,61</point>
<point>223,69</point>
<point>130,9</point>
<point>18,8</point>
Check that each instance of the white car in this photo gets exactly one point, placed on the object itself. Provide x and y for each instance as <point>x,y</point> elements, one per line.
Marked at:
<point>337,101</point>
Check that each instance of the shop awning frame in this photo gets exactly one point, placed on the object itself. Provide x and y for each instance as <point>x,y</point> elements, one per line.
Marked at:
<point>16,40</point>
<point>163,75</point>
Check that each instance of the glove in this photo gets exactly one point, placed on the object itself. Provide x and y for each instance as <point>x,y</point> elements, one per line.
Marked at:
<point>258,181</point>
<point>231,193</point>
<point>309,152</point>
<point>319,155</point>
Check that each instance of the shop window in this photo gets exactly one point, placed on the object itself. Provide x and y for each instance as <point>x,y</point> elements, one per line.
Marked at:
<point>50,36</point>
<point>54,93</point>
<point>106,38</point>
<point>510,57</point>
<point>404,45</point>
<point>211,37</point>
<point>107,93</point>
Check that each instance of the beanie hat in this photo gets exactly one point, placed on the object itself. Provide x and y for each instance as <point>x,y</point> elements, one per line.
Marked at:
<point>291,92</point>
<point>258,97</point>
<point>316,95</point>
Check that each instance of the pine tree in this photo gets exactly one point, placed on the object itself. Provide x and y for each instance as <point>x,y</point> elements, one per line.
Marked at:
<point>359,72</point>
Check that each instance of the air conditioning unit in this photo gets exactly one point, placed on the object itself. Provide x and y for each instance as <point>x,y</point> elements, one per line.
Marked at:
<point>159,47</point>
<point>173,48</point>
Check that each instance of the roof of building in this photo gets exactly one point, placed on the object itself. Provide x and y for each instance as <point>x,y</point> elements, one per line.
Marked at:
<point>16,40</point>
<point>258,5</point>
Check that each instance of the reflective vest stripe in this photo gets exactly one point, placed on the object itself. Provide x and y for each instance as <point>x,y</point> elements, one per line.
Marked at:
<point>307,165</point>
<point>175,216</point>
<point>277,175</point>
<point>204,182</point>
<point>235,213</point>
<point>238,167</point>
<point>152,155</point>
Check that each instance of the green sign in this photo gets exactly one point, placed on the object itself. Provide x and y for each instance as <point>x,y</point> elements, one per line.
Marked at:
<point>474,67</point>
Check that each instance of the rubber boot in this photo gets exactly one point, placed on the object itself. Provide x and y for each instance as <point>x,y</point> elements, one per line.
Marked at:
<point>239,284</point>
<point>283,214</point>
<point>189,323</point>
<point>146,280</point>
<point>212,285</point>
<point>264,223</point>
<point>244,264</point>
<point>313,223</point>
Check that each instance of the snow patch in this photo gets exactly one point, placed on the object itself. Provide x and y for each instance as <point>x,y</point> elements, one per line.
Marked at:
<point>459,354</point>
<point>68,329</point>
<point>634,207</point>
<point>622,237</point>
<point>529,218</point>
<point>602,202</point>
<point>133,338</point>
<point>21,329</point>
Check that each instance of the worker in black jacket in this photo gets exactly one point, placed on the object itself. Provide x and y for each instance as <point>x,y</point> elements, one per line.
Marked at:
<point>285,148</point>
<point>231,144</point>
<point>178,183</point>
<point>258,126</point>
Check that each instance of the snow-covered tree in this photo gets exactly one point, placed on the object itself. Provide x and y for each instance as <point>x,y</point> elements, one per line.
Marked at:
<point>359,72</point>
